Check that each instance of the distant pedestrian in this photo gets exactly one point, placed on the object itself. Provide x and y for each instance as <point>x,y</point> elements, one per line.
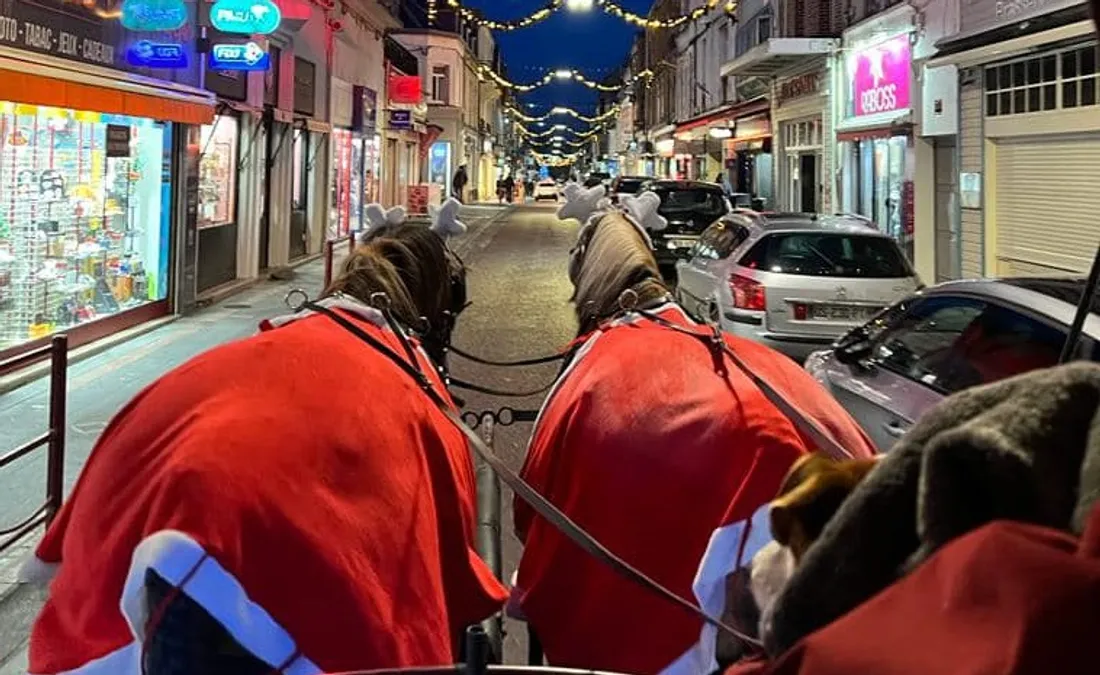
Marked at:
<point>509,187</point>
<point>458,183</point>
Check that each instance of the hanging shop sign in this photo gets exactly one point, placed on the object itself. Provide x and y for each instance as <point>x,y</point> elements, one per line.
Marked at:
<point>146,54</point>
<point>245,17</point>
<point>248,57</point>
<point>364,110</point>
<point>400,120</point>
<point>305,74</point>
<point>118,140</point>
<point>880,81</point>
<point>798,87</point>
<point>405,89</point>
<point>153,16</point>
<point>271,77</point>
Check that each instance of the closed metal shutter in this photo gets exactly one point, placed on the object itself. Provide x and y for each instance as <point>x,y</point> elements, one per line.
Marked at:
<point>1048,204</point>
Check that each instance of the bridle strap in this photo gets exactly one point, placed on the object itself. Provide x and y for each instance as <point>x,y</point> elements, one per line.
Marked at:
<point>541,505</point>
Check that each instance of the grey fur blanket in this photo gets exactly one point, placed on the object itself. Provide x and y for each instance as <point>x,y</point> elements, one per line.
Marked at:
<point>1025,449</point>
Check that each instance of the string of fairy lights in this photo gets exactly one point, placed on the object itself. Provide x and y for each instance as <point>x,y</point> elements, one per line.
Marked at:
<point>556,135</point>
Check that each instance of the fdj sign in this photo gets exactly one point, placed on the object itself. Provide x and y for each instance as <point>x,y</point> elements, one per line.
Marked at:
<point>245,17</point>
<point>239,57</point>
<point>153,15</point>
<point>153,55</point>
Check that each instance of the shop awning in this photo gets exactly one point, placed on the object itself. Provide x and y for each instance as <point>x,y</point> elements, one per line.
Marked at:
<point>60,86</point>
<point>1009,48</point>
<point>724,116</point>
<point>773,56</point>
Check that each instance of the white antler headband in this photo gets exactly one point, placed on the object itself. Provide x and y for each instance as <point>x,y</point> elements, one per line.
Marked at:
<point>642,209</point>
<point>445,220</point>
<point>581,203</point>
<point>378,217</point>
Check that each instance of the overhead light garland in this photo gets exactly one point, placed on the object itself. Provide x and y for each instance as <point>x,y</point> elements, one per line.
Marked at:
<point>556,130</point>
<point>563,75</point>
<point>555,160</point>
<point>608,6</point>
<point>561,110</point>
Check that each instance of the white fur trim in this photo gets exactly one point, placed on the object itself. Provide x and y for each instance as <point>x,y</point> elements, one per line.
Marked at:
<point>36,571</point>
<point>173,555</point>
<point>123,661</point>
<point>445,220</point>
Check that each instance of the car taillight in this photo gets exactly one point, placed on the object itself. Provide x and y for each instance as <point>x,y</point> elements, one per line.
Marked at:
<point>747,294</point>
<point>799,311</point>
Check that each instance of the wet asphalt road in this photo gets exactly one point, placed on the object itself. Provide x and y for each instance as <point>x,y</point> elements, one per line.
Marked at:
<point>520,292</point>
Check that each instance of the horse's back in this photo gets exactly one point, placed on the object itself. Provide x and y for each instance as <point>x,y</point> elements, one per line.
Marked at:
<point>646,443</point>
<point>310,470</point>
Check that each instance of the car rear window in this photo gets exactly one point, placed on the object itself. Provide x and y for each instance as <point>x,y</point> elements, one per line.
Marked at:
<point>827,254</point>
<point>629,186</point>
<point>689,201</point>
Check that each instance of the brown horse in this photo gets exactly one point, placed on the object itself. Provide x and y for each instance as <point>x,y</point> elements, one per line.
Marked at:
<point>658,443</point>
<point>292,502</point>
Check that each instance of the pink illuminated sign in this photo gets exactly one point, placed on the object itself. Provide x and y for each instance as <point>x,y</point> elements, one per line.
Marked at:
<point>881,78</point>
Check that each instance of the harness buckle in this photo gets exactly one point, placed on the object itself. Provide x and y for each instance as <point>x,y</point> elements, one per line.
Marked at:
<point>296,293</point>
<point>628,300</point>
<point>380,301</point>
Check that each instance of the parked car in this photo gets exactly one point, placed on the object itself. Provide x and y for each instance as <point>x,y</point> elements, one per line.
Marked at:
<point>690,207</point>
<point>793,281</point>
<point>597,178</point>
<point>547,188</point>
<point>626,185</point>
<point>956,335</point>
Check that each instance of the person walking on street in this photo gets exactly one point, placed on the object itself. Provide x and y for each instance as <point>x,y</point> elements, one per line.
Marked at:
<point>509,187</point>
<point>458,183</point>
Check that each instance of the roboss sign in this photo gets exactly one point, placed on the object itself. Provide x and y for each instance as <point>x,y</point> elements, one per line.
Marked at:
<point>245,17</point>
<point>881,77</point>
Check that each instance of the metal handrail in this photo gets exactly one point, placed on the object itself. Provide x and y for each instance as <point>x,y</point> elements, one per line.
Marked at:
<point>330,253</point>
<point>58,353</point>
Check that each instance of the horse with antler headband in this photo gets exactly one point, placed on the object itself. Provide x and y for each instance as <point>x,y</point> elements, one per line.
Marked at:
<point>660,440</point>
<point>291,502</point>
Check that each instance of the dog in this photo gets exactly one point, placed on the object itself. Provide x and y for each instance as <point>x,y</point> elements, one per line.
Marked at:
<point>809,496</point>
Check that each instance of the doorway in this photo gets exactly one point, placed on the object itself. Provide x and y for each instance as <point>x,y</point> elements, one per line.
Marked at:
<point>299,194</point>
<point>807,183</point>
<point>948,251</point>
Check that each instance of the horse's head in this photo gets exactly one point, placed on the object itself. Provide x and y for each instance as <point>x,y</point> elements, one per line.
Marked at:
<point>411,263</point>
<point>613,252</point>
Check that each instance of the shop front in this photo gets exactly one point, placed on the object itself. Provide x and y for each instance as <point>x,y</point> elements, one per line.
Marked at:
<point>91,175</point>
<point>749,159</point>
<point>365,122</point>
<point>1028,138</point>
<point>800,104</point>
<point>308,143</point>
<point>874,134</point>
<point>220,152</point>
<point>345,201</point>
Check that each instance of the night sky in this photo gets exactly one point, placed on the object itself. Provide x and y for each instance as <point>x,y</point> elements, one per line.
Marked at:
<point>593,43</point>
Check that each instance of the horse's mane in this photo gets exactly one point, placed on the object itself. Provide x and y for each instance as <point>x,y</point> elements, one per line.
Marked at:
<point>616,258</point>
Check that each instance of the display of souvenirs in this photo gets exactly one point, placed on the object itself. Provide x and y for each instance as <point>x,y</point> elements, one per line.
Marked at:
<point>74,223</point>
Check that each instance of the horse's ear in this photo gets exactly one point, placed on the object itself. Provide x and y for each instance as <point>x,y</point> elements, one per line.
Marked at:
<point>581,203</point>
<point>445,220</point>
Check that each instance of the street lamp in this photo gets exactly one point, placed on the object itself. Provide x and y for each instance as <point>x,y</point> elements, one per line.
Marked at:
<point>563,74</point>
<point>578,5</point>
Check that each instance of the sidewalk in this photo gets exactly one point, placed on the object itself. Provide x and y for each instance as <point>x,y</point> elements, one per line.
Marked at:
<point>103,383</point>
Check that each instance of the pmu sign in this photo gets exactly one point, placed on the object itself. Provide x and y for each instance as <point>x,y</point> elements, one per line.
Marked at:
<point>245,17</point>
<point>239,57</point>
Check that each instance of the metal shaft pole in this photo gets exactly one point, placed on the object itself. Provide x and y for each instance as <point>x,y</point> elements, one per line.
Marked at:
<point>55,464</point>
<point>489,529</point>
<point>1083,309</point>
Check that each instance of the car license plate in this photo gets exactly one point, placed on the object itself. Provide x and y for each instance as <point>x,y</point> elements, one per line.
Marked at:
<point>841,312</point>
<point>681,243</point>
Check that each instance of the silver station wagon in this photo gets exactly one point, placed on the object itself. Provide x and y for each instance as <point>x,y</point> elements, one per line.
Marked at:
<point>793,281</point>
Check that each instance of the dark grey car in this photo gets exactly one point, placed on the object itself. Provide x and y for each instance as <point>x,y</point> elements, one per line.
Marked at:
<point>943,339</point>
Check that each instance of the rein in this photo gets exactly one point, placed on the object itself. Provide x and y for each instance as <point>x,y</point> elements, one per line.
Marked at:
<point>546,509</point>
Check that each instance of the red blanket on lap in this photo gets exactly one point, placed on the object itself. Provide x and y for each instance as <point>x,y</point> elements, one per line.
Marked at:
<point>308,495</point>
<point>657,456</point>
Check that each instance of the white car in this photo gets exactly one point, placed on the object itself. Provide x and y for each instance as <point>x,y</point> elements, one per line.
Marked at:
<point>546,189</point>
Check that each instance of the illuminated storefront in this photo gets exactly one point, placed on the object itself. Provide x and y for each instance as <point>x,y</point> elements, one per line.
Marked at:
<point>88,196</point>
<point>875,133</point>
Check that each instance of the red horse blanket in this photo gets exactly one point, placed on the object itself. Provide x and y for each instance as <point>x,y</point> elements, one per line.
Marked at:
<point>299,487</point>
<point>662,459</point>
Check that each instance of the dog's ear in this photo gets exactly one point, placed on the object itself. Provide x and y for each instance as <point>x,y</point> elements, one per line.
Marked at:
<point>814,489</point>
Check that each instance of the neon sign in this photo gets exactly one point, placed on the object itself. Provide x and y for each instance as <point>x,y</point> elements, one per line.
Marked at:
<point>153,15</point>
<point>245,17</point>
<point>239,57</point>
<point>156,55</point>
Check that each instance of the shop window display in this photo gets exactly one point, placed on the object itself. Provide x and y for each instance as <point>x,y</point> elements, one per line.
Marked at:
<point>84,222</point>
<point>347,182</point>
<point>218,172</point>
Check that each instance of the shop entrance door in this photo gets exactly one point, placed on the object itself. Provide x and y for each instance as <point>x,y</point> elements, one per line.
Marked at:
<point>299,195</point>
<point>807,183</point>
<point>948,253</point>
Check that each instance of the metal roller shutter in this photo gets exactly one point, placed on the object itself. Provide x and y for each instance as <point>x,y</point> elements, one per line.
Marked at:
<point>1048,204</point>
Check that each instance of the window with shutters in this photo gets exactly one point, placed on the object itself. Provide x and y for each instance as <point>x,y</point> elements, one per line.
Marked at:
<point>441,84</point>
<point>1063,79</point>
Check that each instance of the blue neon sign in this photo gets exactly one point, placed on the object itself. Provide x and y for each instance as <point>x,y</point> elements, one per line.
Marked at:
<point>153,15</point>
<point>239,57</point>
<point>156,55</point>
<point>245,17</point>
